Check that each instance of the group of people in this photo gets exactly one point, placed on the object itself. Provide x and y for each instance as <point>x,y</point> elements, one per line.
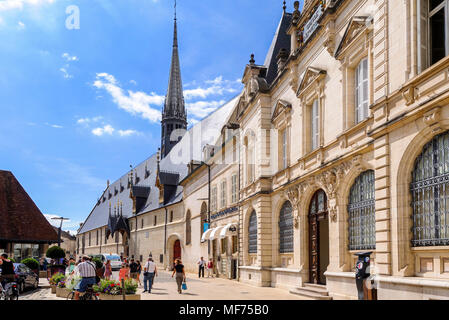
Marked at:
<point>208,265</point>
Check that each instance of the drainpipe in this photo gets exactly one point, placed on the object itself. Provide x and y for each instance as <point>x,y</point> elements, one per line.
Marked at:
<point>165,235</point>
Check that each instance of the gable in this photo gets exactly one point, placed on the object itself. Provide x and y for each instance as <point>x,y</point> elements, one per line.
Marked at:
<point>281,106</point>
<point>310,75</point>
<point>356,26</point>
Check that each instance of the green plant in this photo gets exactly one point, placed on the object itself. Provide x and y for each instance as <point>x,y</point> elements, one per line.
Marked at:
<point>56,278</point>
<point>31,263</point>
<point>130,286</point>
<point>98,263</point>
<point>12,260</point>
<point>55,253</point>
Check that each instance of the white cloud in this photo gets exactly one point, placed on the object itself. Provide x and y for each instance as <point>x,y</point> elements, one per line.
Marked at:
<point>89,120</point>
<point>107,129</point>
<point>69,58</point>
<point>214,87</point>
<point>134,102</point>
<point>6,5</point>
<point>65,73</point>
<point>127,133</point>
<point>134,82</point>
<point>21,25</point>
<point>200,109</point>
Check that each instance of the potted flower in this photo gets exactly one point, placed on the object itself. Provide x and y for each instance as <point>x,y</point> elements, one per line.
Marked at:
<point>112,290</point>
<point>54,281</point>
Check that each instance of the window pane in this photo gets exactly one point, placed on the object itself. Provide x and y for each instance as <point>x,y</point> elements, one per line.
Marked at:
<point>286,229</point>
<point>434,3</point>
<point>437,36</point>
<point>252,233</point>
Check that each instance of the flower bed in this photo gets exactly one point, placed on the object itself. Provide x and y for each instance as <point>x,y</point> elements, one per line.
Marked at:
<point>112,290</point>
<point>55,281</point>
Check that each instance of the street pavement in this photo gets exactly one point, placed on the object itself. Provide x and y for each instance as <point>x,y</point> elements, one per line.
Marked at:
<point>165,288</point>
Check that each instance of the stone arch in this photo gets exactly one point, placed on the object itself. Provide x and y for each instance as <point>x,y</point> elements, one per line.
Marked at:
<point>404,255</point>
<point>172,238</point>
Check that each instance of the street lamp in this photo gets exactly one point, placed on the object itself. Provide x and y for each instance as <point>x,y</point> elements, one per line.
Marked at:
<point>60,228</point>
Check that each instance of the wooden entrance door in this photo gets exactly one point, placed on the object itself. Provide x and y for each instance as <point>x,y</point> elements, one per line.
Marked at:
<point>318,237</point>
<point>177,250</point>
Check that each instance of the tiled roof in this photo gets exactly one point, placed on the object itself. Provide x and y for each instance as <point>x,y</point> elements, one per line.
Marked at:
<point>21,220</point>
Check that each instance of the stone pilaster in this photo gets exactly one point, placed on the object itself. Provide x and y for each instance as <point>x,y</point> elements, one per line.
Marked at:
<point>383,205</point>
<point>380,67</point>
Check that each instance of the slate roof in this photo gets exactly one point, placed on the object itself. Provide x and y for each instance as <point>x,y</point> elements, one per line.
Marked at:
<point>281,40</point>
<point>189,148</point>
<point>21,220</point>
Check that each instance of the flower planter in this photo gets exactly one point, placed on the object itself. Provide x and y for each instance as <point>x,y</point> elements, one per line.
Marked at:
<point>119,297</point>
<point>53,288</point>
<point>43,274</point>
<point>62,292</point>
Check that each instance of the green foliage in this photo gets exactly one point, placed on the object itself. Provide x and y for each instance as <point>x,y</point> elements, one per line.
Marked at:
<point>12,260</point>
<point>98,263</point>
<point>56,278</point>
<point>31,263</point>
<point>131,286</point>
<point>55,253</point>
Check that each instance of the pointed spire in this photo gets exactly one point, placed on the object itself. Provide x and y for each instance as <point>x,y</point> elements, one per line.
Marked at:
<point>285,6</point>
<point>174,101</point>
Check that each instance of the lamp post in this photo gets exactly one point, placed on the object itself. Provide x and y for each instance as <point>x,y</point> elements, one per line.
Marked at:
<point>60,228</point>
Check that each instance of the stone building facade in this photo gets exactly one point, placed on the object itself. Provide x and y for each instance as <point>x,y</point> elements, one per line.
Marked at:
<point>340,145</point>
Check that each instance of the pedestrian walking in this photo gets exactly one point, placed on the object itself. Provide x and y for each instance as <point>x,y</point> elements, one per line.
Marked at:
<point>150,271</point>
<point>108,270</point>
<point>8,274</point>
<point>133,269</point>
<point>139,271</point>
<point>201,264</point>
<point>210,268</point>
<point>180,274</point>
<point>87,272</point>
<point>124,272</point>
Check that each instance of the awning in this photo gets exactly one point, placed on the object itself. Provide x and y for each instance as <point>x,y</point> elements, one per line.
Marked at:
<point>226,232</point>
<point>206,235</point>
<point>215,232</point>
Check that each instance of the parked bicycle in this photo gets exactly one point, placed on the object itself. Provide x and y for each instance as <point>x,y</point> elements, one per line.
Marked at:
<point>87,296</point>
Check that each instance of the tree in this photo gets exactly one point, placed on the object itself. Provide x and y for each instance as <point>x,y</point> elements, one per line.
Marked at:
<point>55,253</point>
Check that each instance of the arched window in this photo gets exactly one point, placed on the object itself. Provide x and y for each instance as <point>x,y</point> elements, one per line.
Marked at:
<point>203,217</point>
<point>188,228</point>
<point>286,228</point>
<point>361,210</point>
<point>430,194</point>
<point>252,233</point>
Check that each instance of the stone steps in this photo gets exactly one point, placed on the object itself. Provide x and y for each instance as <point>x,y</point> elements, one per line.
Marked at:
<point>312,292</point>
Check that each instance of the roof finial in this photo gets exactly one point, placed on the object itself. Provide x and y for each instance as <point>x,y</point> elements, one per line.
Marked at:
<point>252,61</point>
<point>285,6</point>
<point>175,9</point>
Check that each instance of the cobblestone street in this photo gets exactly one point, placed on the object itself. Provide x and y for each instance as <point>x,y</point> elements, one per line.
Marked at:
<point>198,289</point>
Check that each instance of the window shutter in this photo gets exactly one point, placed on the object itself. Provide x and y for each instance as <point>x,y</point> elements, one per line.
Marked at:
<point>365,100</point>
<point>422,34</point>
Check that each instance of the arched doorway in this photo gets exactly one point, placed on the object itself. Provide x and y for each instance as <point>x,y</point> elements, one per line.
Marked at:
<point>318,237</point>
<point>177,250</point>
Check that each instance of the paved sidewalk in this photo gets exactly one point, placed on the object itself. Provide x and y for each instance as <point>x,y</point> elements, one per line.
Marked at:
<point>165,288</point>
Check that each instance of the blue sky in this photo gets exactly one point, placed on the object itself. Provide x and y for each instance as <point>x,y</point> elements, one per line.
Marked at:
<point>78,106</point>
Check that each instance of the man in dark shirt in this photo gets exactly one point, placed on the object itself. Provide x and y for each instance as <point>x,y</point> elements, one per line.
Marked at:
<point>133,269</point>
<point>7,269</point>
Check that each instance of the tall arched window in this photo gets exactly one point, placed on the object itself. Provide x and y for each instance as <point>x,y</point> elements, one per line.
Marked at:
<point>203,216</point>
<point>361,210</point>
<point>430,194</point>
<point>188,228</point>
<point>252,233</point>
<point>286,228</point>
